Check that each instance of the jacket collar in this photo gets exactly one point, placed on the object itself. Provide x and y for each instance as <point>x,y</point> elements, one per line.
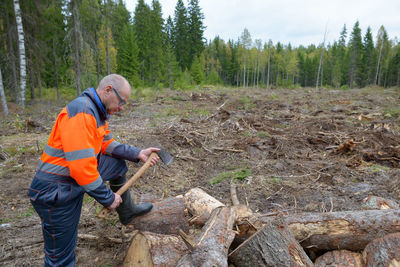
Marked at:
<point>92,94</point>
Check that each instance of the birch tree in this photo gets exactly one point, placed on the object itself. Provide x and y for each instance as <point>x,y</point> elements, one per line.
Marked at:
<point>3,96</point>
<point>246,44</point>
<point>320,57</point>
<point>21,47</point>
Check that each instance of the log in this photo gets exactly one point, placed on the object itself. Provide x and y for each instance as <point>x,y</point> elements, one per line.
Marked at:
<point>166,217</point>
<point>351,230</point>
<point>200,205</point>
<point>340,258</point>
<point>212,245</point>
<point>384,251</point>
<point>151,249</point>
<point>272,245</point>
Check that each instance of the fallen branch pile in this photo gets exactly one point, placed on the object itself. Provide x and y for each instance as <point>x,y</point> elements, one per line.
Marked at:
<point>236,235</point>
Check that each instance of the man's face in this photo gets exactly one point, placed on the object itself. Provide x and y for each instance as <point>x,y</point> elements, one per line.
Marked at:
<point>117,98</point>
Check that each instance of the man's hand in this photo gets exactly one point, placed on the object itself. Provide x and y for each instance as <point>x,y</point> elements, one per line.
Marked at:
<point>117,201</point>
<point>145,154</point>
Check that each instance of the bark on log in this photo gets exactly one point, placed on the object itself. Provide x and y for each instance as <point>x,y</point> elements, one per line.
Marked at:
<point>351,230</point>
<point>150,249</point>
<point>340,258</point>
<point>200,205</point>
<point>272,245</point>
<point>166,217</point>
<point>384,251</point>
<point>211,247</point>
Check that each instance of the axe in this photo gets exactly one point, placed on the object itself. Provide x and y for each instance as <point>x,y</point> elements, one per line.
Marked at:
<point>165,157</point>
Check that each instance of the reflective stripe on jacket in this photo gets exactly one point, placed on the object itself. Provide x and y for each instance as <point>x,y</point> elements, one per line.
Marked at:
<point>79,134</point>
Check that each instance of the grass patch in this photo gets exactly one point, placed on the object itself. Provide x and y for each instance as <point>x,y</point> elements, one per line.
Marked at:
<point>377,168</point>
<point>263,134</point>
<point>236,175</point>
<point>26,214</point>
<point>247,102</point>
<point>202,111</point>
<point>393,112</point>
<point>168,112</point>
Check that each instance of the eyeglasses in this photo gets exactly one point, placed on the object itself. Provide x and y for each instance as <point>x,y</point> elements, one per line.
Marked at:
<point>121,101</point>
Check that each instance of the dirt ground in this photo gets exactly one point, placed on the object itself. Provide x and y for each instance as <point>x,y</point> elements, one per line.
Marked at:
<point>288,150</point>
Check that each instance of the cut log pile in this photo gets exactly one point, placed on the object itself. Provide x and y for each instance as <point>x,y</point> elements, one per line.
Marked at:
<point>235,235</point>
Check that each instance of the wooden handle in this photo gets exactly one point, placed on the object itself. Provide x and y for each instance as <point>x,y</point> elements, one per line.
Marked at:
<point>103,213</point>
<point>137,175</point>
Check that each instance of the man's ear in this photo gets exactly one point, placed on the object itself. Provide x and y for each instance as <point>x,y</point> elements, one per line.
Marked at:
<point>108,90</point>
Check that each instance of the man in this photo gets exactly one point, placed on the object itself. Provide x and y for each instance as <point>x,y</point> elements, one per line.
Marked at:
<point>80,155</point>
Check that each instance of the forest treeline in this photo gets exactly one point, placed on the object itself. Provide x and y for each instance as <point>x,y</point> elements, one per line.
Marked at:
<point>74,43</point>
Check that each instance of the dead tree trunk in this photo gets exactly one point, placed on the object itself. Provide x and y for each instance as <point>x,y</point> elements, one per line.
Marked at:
<point>166,217</point>
<point>272,245</point>
<point>211,247</point>
<point>343,258</point>
<point>383,251</point>
<point>153,250</point>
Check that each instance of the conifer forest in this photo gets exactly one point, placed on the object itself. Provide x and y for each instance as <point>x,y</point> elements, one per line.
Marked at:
<point>70,45</point>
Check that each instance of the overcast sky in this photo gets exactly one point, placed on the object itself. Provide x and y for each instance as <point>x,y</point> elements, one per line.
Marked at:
<point>300,22</point>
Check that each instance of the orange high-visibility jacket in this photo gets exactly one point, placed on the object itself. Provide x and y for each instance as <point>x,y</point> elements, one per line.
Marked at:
<point>79,134</point>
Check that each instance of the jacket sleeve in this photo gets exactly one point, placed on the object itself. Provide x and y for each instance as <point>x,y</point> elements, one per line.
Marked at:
<point>115,149</point>
<point>78,136</point>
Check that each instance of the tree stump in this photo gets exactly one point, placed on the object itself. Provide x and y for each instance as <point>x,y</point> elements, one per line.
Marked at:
<point>340,258</point>
<point>212,245</point>
<point>272,245</point>
<point>166,217</point>
<point>384,251</point>
<point>150,249</point>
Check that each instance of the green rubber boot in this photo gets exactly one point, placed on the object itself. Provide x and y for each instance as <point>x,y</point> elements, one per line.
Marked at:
<point>128,210</point>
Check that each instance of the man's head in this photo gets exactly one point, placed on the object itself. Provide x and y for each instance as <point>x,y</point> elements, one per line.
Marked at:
<point>114,91</point>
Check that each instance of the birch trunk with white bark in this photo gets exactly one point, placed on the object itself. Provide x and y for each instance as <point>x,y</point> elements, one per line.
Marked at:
<point>21,47</point>
<point>3,96</point>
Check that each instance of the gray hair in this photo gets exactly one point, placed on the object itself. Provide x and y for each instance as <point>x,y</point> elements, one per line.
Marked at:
<point>115,80</point>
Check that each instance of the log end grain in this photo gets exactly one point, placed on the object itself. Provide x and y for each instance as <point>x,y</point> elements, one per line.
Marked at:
<point>384,251</point>
<point>340,258</point>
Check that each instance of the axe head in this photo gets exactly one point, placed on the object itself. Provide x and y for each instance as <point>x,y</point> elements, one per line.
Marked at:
<point>165,157</point>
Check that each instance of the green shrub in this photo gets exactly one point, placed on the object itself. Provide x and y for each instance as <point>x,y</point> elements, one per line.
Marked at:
<point>236,175</point>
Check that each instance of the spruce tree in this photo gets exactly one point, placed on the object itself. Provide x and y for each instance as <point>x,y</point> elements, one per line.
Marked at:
<point>181,43</point>
<point>368,59</point>
<point>127,55</point>
<point>196,29</point>
<point>156,52</point>
<point>142,23</point>
<point>355,56</point>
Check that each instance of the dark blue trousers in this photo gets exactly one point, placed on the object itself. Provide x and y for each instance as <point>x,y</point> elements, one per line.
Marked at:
<point>58,201</point>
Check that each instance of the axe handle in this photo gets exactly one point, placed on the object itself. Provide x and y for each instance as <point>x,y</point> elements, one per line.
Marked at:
<point>139,173</point>
<point>129,183</point>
